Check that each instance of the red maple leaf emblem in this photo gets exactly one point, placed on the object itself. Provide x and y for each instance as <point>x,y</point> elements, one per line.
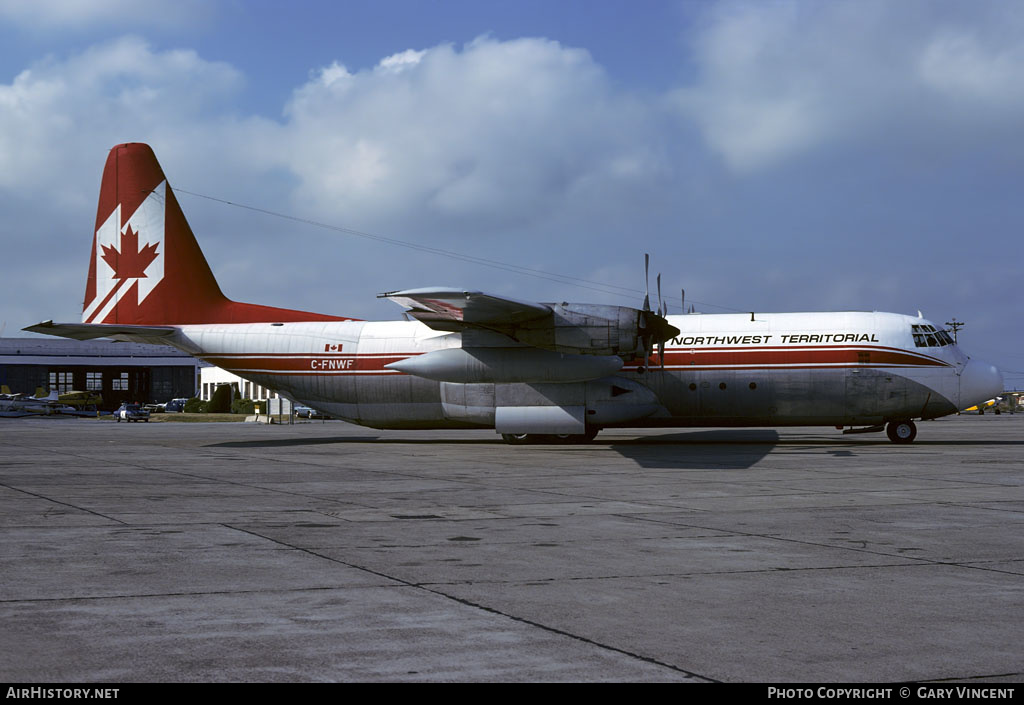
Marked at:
<point>131,262</point>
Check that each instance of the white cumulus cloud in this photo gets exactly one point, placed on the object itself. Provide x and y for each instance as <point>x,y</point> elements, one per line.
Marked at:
<point>495,132</point>
<point>58,115</point>
<point>777,80</point>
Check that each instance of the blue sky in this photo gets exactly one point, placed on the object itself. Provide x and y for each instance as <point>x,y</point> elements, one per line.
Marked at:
<point>769,155</point>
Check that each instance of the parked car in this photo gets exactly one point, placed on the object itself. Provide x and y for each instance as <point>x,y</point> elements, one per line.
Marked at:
<point>131,412</point>
<point>303,412</point>
<point>175,405</point>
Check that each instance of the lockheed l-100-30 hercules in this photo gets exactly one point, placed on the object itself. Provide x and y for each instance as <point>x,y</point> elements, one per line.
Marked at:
<point>535,372</point>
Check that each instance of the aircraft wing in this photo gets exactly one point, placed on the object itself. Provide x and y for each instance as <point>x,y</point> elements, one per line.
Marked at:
<point>582,329</point>
<point>89,331</point>
<point>451,309</point>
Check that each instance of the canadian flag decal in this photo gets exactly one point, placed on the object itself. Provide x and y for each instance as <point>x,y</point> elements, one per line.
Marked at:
<point>128,252</point>
<point>332,347</point>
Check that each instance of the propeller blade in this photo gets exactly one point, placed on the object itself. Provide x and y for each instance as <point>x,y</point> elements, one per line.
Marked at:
<point>647,282</point>
<point>661,354</point>
<point>683,300</point>
<point>659,294</point>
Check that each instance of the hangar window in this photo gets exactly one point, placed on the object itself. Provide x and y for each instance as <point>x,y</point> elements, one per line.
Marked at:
<point>120,383</point>
<point>61,382</point>
<point>928,337</point>
<point>94,381</point>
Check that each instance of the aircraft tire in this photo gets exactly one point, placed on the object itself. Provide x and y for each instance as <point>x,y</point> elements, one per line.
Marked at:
<point>901,431</point>
<point>522,439</point>
<point>573,438</point>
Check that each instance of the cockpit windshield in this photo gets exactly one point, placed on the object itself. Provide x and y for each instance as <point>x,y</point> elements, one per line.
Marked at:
<point>925,336</point>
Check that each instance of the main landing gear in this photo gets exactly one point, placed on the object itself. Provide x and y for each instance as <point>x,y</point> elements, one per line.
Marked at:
<point>901,431</point>
<point>522,439</point>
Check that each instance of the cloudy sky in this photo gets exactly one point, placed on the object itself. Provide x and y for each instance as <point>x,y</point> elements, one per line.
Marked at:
<point>771,156</point>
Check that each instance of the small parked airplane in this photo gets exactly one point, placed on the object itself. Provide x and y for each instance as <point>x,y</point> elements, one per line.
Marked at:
<point>534,372</point>
<point>16,405</point>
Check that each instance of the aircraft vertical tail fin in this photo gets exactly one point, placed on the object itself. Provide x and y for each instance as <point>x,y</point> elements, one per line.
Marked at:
<point>146,267</point>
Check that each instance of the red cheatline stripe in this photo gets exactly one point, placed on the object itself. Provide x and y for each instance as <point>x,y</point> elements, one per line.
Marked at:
<point>242,356</point>
<point>675,359</point>
<point>786,358</point>
<point>791,348</point>
<point>310,364</point>
<point>302,356</point>
<point>318,373</point>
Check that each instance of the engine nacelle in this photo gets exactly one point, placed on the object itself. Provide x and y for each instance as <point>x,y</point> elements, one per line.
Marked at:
<point>590,329</point>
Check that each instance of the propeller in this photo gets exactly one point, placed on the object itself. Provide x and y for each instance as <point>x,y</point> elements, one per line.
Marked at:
<point>654,328</point>
<point>662,311</point>
<point>647,282</point>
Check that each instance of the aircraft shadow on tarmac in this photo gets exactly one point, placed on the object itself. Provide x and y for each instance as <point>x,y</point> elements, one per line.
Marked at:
<point>695,449</point>
<point>721,448</point>
<point>732,449</point>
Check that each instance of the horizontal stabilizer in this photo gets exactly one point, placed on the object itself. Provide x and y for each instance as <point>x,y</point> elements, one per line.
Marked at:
<point>90,331</point>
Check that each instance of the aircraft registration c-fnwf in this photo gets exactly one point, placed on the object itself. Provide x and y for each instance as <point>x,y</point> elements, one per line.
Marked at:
<point>534,372</point>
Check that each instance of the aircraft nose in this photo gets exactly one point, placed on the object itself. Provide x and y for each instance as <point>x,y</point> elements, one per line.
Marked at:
<point>979,382</point>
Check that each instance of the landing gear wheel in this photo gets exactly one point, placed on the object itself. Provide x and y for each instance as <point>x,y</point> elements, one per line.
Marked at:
<point>522,439</point>
<point>901,431</point>
<point>572,438</point>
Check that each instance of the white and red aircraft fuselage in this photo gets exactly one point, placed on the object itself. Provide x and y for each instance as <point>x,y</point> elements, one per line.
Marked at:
<point>531,371</point>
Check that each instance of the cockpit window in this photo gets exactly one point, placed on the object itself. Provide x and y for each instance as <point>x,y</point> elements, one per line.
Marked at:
<point>926,336</point>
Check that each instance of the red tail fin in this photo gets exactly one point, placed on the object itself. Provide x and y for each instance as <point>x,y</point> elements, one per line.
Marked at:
<point>146,267</point>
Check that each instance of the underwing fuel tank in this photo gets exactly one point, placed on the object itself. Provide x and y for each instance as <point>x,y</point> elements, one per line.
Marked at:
<point>507,365</point>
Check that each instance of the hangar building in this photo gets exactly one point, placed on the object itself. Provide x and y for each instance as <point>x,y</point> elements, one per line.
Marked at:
<point>119,371</point>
